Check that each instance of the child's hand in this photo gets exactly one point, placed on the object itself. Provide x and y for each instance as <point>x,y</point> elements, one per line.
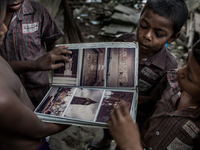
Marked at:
<point>123,129</point>
<point>47,61</point>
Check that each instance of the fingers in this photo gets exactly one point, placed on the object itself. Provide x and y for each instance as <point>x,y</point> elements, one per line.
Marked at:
<point>61,50</point>
<point>60,55</point>
<point>56,66</point>
<point>124,108</point>
<point>118,113</point>
<point>61,58</point>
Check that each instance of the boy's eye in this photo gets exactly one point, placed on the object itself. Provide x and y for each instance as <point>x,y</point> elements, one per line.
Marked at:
<point>189,78</point>
<point>142,26</point>
<point>159,35</point>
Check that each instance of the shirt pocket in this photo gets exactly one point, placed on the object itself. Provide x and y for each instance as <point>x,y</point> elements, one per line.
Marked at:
<point>188,132</point>
<point>32,45</point>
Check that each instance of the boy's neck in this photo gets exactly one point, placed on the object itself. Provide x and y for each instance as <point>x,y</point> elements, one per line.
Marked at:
<point>186,101</point>
<point>8,19</point>
<point>144,55</point>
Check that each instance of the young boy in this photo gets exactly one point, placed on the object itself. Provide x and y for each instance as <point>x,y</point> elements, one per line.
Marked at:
<point>175,123</point>
<point>20,128</point>
<point>160,23</point>
<point>30,29</point>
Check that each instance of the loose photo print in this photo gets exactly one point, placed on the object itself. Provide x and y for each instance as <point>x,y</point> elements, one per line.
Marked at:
<point>93,67</point>
<point>84,104</point>
<point>56,101</point>
<point>120,67</point>
<point>68,73</point>
<point>110,101</point>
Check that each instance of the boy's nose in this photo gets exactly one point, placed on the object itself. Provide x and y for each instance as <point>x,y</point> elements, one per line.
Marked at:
<point>148,35</point>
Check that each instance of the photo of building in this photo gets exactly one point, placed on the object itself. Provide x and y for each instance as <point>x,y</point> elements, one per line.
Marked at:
<point>68,73</point>
<point>84,104</point>
<point>56,101</point>
<point>110,101</point>
<point>120,67</point>
<point>93,67</point>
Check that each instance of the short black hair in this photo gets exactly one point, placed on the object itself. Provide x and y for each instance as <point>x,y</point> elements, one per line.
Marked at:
<point>196,51</point>
<point>174,10</point>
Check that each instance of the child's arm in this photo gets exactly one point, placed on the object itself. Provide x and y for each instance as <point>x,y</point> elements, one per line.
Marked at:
<point>19,120</point>
<point>43,63</point>
<point>123,129</point>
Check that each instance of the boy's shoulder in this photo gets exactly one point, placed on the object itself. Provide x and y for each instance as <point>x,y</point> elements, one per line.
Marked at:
<point>31,4</point>
<point>164,60</point>
<point>170,58</point>
<point>127,37</point>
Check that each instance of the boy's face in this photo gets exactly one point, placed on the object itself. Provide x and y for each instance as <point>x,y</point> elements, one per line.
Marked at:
<point>3,28</point>
<point>14,6</point>
<point>154,32</point>
<point>189,76</point>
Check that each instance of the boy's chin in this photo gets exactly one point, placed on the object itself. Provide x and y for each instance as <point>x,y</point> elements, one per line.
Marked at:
<point>179,85</point>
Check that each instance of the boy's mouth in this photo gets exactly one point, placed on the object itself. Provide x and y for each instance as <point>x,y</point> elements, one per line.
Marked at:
<point>15,6</point>
<point>143,46</point>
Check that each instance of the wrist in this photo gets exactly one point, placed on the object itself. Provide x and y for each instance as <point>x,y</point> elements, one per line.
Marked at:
<point>33,66</point>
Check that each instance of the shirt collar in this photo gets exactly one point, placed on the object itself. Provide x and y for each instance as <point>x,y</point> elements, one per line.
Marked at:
<point>155,59</point>
<point>173,82</point>
<point>26,8</point>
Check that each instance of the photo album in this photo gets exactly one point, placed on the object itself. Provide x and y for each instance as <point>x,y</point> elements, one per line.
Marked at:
<point>87,88</point>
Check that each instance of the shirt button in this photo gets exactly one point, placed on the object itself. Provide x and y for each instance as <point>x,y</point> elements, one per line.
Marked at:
<point>150,148</point>
<point>157,132</point>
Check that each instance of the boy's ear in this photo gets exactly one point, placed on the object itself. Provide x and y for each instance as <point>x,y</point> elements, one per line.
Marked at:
<point>173,38</point>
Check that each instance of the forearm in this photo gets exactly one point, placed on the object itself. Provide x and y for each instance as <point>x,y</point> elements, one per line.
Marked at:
<point>22,66</point>
<point>50,129</point>
<point>40,129</point>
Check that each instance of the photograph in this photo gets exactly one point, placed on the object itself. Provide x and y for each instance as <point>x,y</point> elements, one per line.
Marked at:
<point>120,67</point>
<point>110,101</point>
<point>68,73</point>
<point>84,104</point>
<point>56,101</point>
<point>93,67</point>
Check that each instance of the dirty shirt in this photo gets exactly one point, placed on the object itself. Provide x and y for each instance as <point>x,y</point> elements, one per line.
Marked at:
<point>30,27</point>
<point>169,128</point>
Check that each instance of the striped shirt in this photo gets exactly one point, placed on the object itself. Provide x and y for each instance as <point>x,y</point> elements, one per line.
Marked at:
<point>30,27</point>
<point>170,128</point>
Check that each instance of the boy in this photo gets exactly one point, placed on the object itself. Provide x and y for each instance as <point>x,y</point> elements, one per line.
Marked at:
<point>160,23</point>
<point>175,123</point>
<point>20,128</point>
<point>30,29</point>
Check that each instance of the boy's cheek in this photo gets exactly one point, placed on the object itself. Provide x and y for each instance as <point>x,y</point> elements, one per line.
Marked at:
<point>182,82</point>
